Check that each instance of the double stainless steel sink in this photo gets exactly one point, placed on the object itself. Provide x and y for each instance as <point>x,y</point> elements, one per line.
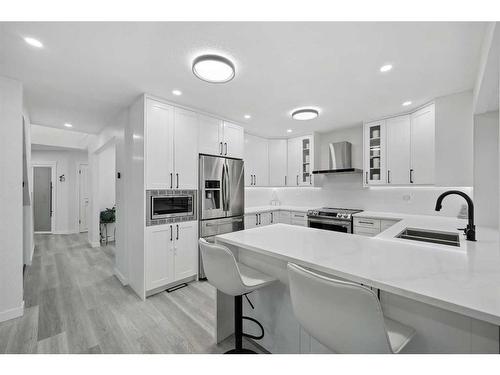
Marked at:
<point>424,235</point>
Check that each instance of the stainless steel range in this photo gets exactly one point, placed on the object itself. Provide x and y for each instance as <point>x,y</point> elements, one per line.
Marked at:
<point>336,219</point>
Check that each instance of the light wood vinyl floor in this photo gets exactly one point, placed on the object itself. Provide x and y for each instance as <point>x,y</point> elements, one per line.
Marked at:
<point>74,304</point>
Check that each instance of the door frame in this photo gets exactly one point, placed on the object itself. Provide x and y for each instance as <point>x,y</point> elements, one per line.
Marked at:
<point>53,176</point>
<point>78,168</point>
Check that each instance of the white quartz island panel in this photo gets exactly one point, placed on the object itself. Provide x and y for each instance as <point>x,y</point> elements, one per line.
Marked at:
<point>463,280</point>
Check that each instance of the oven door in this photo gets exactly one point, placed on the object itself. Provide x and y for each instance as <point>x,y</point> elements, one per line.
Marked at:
<point>166,206</point>
<point>330,224</point>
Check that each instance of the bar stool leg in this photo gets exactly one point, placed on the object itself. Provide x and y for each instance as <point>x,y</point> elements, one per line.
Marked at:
<point>238,328</point>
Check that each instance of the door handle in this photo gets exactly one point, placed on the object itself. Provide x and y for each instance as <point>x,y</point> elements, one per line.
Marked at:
<point>171,179</point>
<point>177,175</point>
<point>272,217</point>
<point>50,200</point>
<point>228,191</point>
<point>254,180</point>
<point>171,234</point>
<point>177,237</point>
<point>256,219</point>
<point>220,145</point>
<point>259,220</point>
<point>297,180</point>
<point>388,176</point>
<point>225,144</point>
<point>411,176</point>
<point>366,177</point>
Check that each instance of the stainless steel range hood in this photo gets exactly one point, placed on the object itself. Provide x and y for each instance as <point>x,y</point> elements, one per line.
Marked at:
<point>340,159</point>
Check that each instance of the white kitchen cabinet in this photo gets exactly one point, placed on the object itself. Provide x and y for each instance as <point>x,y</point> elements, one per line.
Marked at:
<point>398,150</point>
<point>278,162</point>
<point>374,153</point>
<point>300,161</point>
<point>210,135</point>
<point>233,140</point>
<point>256,161</point>
<point>294,161</point>
<point>185,249</point>
<point>217,137</point>
<point>185,155</point>
<point>284,217</point>
<point>422,146</point>
<point>171,253</point>
<point>159,144</point>
<point>251,221</point>
<point>260,219</point>
<point>266,218</point>
<point>367,232</point>
<point>298,218</point>
<point>386,224</point>
<point>371,227</point>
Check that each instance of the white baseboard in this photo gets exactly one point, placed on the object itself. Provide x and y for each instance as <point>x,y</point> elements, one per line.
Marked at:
<point>120,276</point>
<point>65,232</point>
<point>16,312</point>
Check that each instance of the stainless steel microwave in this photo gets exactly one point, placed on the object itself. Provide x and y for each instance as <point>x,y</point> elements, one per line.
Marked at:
<point>170,206</point>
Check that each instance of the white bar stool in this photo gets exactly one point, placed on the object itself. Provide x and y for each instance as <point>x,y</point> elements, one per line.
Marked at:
<point>343,316</point>
<point>234,279</point>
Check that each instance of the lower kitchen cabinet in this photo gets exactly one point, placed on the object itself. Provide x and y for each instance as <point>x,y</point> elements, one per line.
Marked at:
<point>298,218</point>
<point>260,219</point>
<point>371,227</point>
<point>284,217</point>
<point>171,253</point>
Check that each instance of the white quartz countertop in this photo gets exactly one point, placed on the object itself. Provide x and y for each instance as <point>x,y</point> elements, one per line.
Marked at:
<point>257,209</point>
<point>463,279</point>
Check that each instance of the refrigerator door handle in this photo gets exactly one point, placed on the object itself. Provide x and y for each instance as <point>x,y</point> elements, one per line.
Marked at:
<point>223,187</point>
<point>228,193</point>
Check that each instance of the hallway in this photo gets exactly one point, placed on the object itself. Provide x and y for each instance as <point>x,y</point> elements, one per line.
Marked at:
<point>74,304</point>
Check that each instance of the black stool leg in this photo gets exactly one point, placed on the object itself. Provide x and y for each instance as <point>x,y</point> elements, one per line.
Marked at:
<point>238,328</point>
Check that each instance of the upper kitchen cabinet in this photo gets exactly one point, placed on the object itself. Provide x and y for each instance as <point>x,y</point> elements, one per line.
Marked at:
<point>277,162</point>
<point>219,137</point>
<point>159,145</point>
<point>400,150</point>
<point>256,161</point>
<point>171,162</point>
<point>374,153</point>
<point>422,146</point>
<point>300,153</point>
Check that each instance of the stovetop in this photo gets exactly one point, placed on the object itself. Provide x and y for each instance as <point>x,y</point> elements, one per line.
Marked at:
<point>334,213</point>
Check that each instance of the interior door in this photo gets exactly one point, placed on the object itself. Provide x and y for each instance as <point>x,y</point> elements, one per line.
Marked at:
<point>186,250</point>
<point>185,157</point>
<point>398,150</point>
<point>83,182</point>
<point>42,199</point>
<point>159,146</point>
<point>422,146</point>
<point>235,187</point>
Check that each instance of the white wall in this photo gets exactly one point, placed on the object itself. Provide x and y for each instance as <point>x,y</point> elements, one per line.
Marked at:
<point>486,168</point>
<point>28,239</point>
<point>11,199</point>
<point>454,140</point>
<point>66,206</point>
<point>106,189</point>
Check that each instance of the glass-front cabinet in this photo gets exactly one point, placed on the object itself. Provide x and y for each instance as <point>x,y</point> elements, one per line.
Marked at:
<point>306,176</point>
<point>374,154</point>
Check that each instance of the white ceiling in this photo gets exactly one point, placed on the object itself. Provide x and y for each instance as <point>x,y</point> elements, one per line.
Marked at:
<point>86,72</point>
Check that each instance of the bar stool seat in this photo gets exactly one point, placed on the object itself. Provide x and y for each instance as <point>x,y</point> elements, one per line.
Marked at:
<point>234,279</point>
<point>398,333</point>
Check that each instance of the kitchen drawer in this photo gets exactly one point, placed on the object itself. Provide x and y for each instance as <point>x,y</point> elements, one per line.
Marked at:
<point>298,218</point>
<point>386,224</point>
<point>367,223</point>
<point>284,217</point>
<point>364,231</point>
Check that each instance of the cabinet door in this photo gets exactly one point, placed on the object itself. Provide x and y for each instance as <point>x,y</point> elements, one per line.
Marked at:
<point>422,146</point>
<point>265,218</point>
<point>159,256</point>
<point>277,162</point>
<point>374,153</point>
<point>210,135</point>
<point>294,161</point>
<point>159,145</point>
<point>249,159</point>
<point>306,161</point>
<point>283,217</point>
<point>233,140</point>
<point>185,249</point>
<point>398,150</point>
<point>261,162</point>
<point>251,221</point>
<point>185,149</point>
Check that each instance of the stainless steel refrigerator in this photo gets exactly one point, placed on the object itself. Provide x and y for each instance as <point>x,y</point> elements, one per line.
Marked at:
<point>222,197</point>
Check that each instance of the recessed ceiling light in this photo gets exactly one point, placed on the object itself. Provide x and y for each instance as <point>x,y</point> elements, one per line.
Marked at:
<point>408,102</point>
<point>213,68</point>
<point>177,92</point>
<point>68,125</point>
<point>305,114</point>
<point>247,117</point>
<point>33,42</point>
<point>385,68</point>
<point>288,130</point>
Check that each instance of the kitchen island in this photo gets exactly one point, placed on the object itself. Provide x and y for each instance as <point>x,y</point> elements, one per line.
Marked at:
<point>450,295</point>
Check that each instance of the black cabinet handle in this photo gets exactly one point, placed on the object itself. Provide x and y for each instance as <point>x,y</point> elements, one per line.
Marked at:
<point>366,177</point>
<point>285,180</point>
<point>171,235</point>
<point>297,180</point>
<point>256,219</point>
<point>177,237</point>
<point>259,220</point>
<point>388,176</point>
<point>171,179</point>
<point>220,148</point>
<point>254,180</point>
<point>272,217</point>
<point>411,176</point>
<point>177,175</point>
<point>225,144</point>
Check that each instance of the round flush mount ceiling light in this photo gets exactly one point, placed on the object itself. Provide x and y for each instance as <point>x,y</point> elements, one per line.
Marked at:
<point>33,42</point>
<point>68,125</point>
<point>385,68</point>
<point>213,68</point>
<point>305,114</point>
<point>407,103</point>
